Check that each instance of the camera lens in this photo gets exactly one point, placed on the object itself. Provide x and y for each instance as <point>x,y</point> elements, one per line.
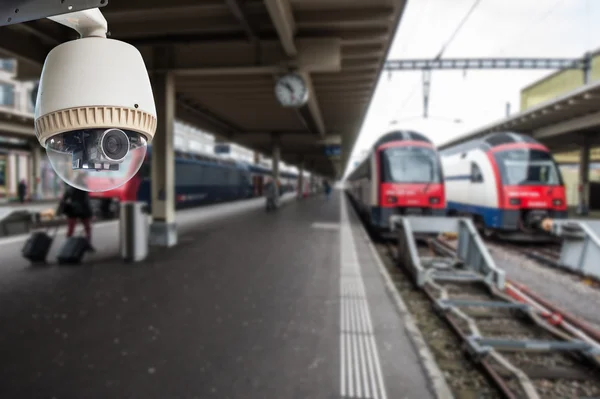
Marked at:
<point>114,144</point>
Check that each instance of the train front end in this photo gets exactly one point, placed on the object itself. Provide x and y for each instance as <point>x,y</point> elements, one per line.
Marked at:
<point>409,181</point>
<point>531,192</point>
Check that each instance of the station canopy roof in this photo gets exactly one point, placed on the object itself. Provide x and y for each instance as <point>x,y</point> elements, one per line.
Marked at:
<point>562,124</point>
<point>226,55</point>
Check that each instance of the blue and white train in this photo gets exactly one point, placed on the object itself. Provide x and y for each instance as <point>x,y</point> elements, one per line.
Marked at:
<point>199,180</point>
<point>508,183</point>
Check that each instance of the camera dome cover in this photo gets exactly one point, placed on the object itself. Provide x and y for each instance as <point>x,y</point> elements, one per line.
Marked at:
<point>94,83</point>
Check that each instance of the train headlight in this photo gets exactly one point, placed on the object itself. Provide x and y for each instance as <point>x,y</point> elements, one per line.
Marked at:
<point>392,199</point>
<point>557,202</point>
<point>514,201</point>
<point>434,200</point>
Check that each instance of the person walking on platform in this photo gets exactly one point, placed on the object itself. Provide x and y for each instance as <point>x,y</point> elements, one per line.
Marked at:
<point>327,188</point>
<point>272,195</point>
<point>75,205</point>
<point>22,190</point>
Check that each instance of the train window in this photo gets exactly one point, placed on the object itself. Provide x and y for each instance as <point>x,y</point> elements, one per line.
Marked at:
<point>499,139</point>
<point>234,177</point>
<point>527,167</point>
<point>188,174</point>
<point>217,176</point>
<point>221,174</point>
<point>211,175</point>
<point>476,175</point>
<point>410,165</point>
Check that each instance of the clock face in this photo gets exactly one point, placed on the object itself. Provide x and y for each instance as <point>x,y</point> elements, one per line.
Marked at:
<point>291,91</point>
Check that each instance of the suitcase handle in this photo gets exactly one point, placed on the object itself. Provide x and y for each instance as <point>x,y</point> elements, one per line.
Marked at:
<point>55,231</point>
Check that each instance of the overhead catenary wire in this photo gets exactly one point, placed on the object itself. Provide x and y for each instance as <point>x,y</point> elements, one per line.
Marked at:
<point>443,49</point>
<point>458,28</point>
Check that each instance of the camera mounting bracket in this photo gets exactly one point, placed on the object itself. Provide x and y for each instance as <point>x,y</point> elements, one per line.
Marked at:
<point>88,23</point>
<point>18,11</point>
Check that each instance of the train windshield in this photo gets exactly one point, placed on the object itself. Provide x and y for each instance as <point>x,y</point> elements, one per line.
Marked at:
<point>410,165</point>
<point>527,167</point>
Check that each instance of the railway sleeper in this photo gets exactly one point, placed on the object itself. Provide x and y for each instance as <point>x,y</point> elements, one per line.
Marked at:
<point>537,372</point>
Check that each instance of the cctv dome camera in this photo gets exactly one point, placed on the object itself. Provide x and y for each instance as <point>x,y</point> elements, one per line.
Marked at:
<point>95,112</point>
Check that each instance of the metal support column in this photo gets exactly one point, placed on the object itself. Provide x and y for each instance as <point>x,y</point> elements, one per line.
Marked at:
<point>426,90</point>
<point>584,173</point>
<point>301,180</point>
<point>587,68</point>
<point>275,165</point>
<point>163,230</point>
<point>35,171</point>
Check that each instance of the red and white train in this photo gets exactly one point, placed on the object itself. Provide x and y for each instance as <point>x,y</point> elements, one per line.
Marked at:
<point>507,182</point>
<point>402,175</point>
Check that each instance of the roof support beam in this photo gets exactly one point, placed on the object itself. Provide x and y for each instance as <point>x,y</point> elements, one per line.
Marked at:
<point>239,12</point>
<point>313,106</point>
<point>25,48</point>
<point>205,119</point>
<point>314,55</point>
<point>571,125</point>
<point>332,139</point>
<point>283,19</point>
<point>30,29</point>
<point>289,137</point>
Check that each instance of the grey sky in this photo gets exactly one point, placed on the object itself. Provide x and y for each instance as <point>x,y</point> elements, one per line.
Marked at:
<point>497,28</point>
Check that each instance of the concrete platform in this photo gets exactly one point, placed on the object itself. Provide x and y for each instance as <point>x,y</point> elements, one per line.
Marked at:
<point>246,306</point>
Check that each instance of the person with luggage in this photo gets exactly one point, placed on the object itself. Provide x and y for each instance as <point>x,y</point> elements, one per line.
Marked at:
<point>75,205</point>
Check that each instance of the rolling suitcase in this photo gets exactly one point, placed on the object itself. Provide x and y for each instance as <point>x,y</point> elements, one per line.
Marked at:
<point>73,250</point>
<point>37,246</point>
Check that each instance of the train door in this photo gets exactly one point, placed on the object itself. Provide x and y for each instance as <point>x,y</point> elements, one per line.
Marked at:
<point>3,179</point>
<point>257,181</point>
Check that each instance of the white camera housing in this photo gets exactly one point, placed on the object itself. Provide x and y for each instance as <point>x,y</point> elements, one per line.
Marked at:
<point>88,87</point>
<point>94,83</point>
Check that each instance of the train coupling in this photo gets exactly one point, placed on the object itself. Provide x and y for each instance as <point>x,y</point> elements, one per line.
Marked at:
<point>537,220</point>
<point>547,225</point>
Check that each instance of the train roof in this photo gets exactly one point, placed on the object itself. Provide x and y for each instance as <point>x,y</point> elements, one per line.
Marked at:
<point>495,139</point>
<point>401,135</point>
<point>489,141</point>
<point>262,169</point>
<point>215,160</point>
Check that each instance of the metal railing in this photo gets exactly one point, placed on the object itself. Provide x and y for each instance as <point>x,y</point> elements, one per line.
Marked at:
<point>472,253</point>
<point>580,249</point>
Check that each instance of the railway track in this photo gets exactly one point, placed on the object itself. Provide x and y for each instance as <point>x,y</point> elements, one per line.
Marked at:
<point>546,254</point>
<point>517,355</point>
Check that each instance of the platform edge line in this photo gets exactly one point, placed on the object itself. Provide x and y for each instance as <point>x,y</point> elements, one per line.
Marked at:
<point>432,370</point>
